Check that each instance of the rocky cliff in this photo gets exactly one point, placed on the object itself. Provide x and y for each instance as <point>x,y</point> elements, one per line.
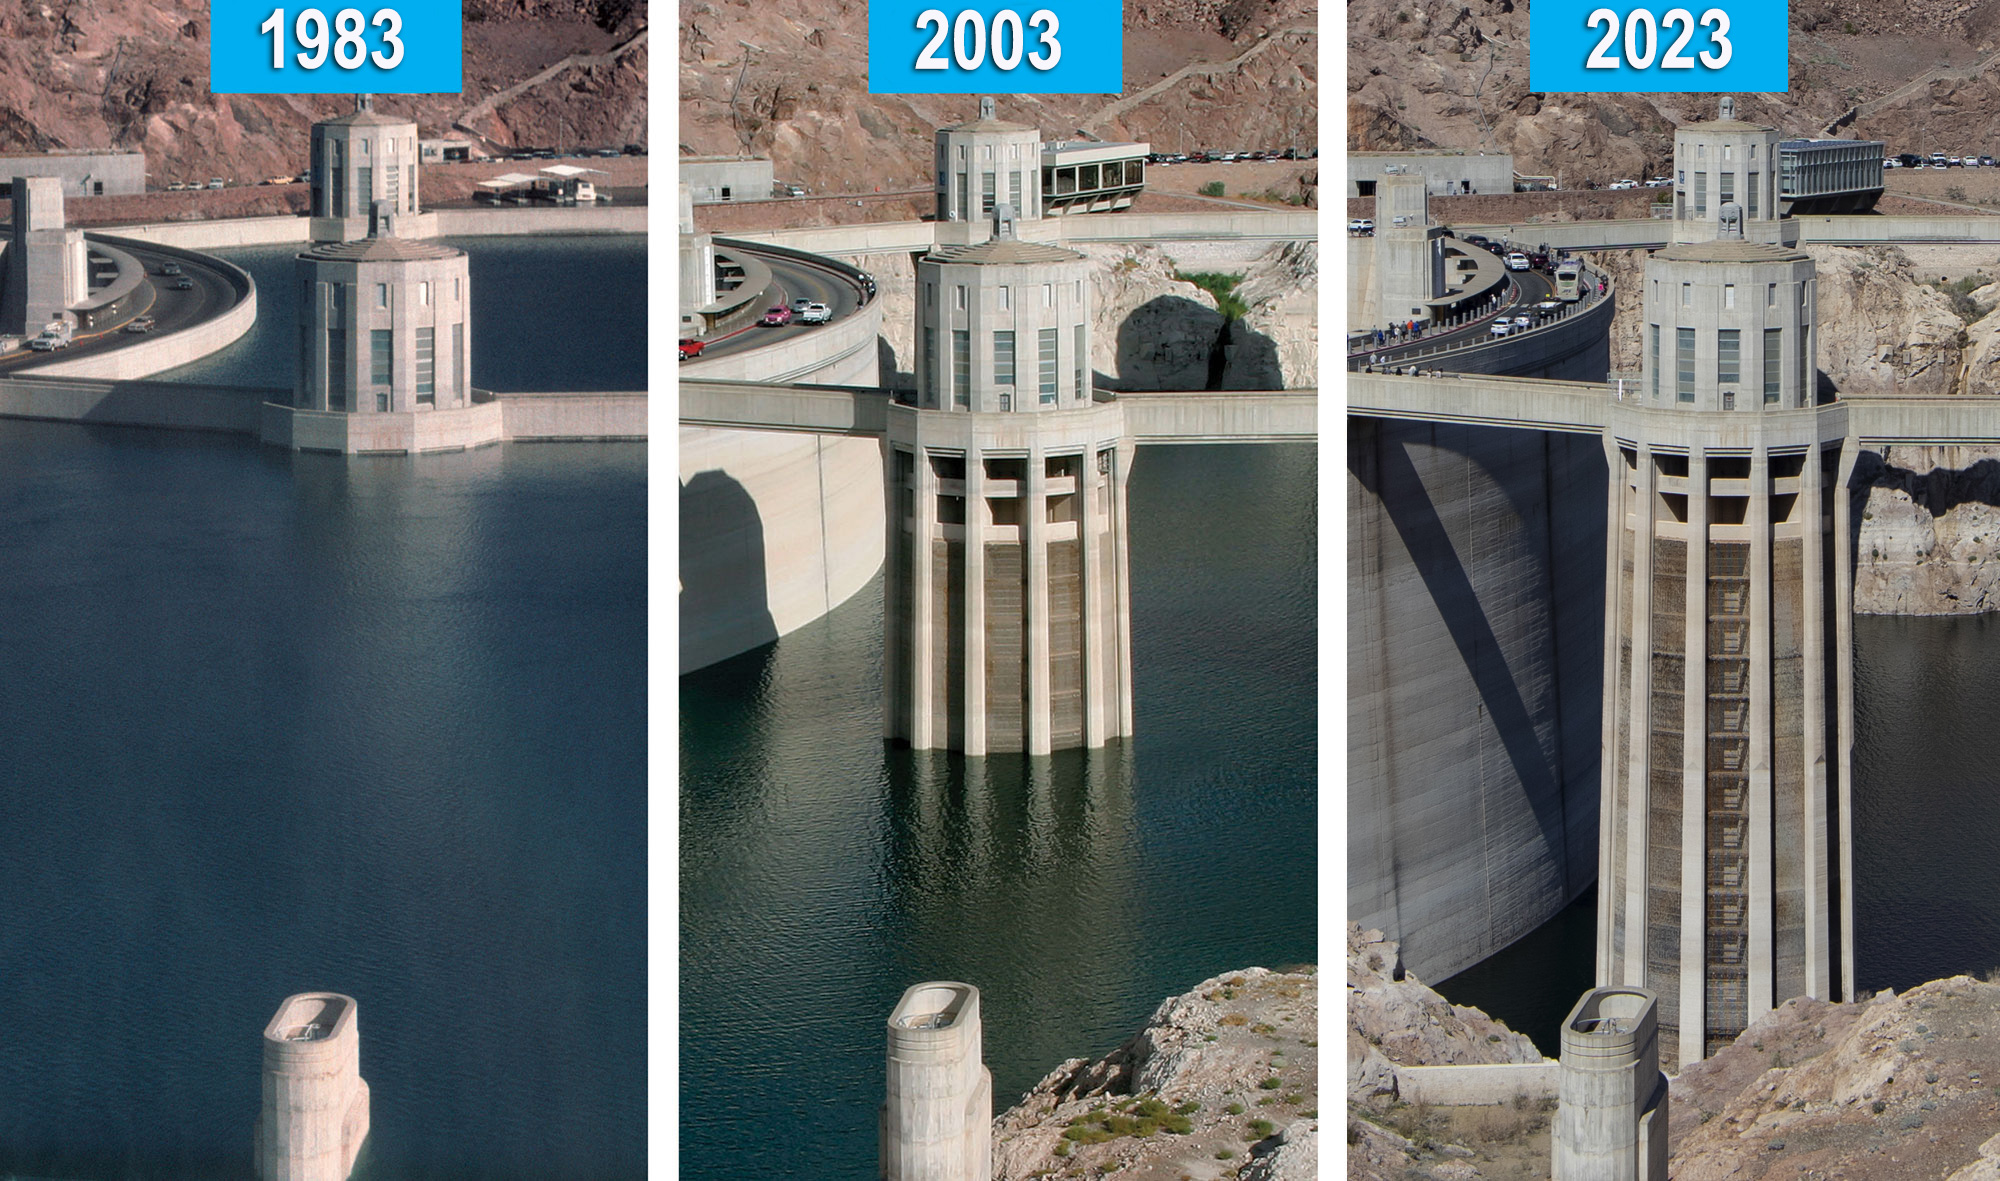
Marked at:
<point>1888,1088</point>
<point>1223,1082</point>
<point>1197,73</point>
<point>1881,1089</point>
<point>1394,1019</point>
<point>1454,73</point>
<point>134,74</point>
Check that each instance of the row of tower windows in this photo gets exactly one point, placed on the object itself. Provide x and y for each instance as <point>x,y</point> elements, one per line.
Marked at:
<point>1728,363</point>
<point>1729,296</point>
<point>1728,152</point>
<point>1755,183</point>
<point>1005,371</point>
<point>961,295</point>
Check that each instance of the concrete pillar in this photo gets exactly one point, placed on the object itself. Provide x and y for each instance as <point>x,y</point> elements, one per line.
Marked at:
<point>1694,768</point>
<point>1121,472</point>
<point>1611,1122</point>
<point>315,1111</point>
<point>1815,726</point>
<point>936,1119</point>
<point>1607,759</point>
<point>1096,702</point>
<point>975,602</point>
<point>1639,785</point>
<point>1843,606</point>
<point>1761,978</point>
<point>1035,642</point>
<point>923,594</point>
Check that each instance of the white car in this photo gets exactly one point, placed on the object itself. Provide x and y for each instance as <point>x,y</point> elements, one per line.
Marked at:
<point>1517,261</point>
<point>1501,327</point>
<point>1549,305</point>
<point>1524,321</point>
<point>1360,225</point>
<point>814,313</point>
<point>48,342</point>
<point>1624,184</point>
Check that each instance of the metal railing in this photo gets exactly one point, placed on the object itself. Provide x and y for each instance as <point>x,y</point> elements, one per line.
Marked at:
<point>1393,357</point>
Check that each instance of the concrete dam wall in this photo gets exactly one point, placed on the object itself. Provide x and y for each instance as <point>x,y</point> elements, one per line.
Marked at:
<point>1475,649</point>
<point>778,529</point>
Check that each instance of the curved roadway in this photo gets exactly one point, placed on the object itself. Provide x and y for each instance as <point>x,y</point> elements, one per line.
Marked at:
<point>1528,289</point>
<point>791,278</point>
<point>212,294</point>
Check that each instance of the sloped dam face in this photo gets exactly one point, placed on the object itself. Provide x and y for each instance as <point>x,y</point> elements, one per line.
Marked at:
<point>1475,574</point>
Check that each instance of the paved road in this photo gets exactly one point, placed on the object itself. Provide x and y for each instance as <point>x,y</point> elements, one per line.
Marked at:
<point>1529,288</point>
<point>790,280</point>
<point>172,309</point>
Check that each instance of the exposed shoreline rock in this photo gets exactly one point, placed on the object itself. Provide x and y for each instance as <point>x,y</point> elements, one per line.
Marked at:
<point>1246,1040</point>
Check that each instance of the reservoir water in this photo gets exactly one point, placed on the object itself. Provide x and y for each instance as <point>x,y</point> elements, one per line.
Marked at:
<point>822,872</point>
<point>1926,831</point>
<point>275,722</point>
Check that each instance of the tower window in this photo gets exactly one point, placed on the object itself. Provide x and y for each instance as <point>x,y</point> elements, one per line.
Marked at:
<point>381,356</point>
<point>1684,364</point>
<point>1003,358</point>
<point>1046,341</point>
<point>1728,356</point>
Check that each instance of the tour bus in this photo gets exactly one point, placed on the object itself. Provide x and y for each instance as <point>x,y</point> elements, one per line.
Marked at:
<point>1569,272</point>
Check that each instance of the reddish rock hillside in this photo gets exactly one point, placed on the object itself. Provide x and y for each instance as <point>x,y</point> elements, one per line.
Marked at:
<point>1198,74</point>
<point>134,74</point>
<point>1922,75</point>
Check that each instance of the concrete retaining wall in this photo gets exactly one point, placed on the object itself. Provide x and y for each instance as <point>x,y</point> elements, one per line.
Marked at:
<point>567,417</point>
<point>776,531</point>
<point>1475,574</point>
<point>903,237</point>
<point>164,351</point>
<point>840,353</point>
<point>1478,1086</point>
<point>555,219</point>
<point>410,432</point>
<point>471,223</point>
<point>222,233</point>
<point>167,405</point>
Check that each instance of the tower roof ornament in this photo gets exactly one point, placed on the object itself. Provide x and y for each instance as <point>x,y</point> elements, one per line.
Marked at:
<point>1728,107</point>
<point>986,106</point>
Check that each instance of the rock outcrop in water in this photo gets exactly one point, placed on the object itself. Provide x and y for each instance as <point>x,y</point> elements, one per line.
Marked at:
<point>1223,1082</point>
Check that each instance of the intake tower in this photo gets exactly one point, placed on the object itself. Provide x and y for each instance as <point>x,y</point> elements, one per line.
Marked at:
<point>1727,708</point>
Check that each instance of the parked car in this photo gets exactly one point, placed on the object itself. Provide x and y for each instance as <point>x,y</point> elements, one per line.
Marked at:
<point>815,313</point>
<point>691,348</point>
<point>1624,184</point>
<point>776,316</point>
<point>183,284</point>
<point>1360,225</point>
<point>49,342</point>
<point>1517,261</point>
<point>216,182</point>
<point>140,324</point>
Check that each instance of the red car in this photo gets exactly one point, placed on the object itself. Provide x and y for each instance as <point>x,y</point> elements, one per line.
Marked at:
<point>690,349</point>
<point>776,316</point>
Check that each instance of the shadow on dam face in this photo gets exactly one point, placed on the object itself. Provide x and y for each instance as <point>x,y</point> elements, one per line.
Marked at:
<point>1476,635</point>
<point>724,606</point>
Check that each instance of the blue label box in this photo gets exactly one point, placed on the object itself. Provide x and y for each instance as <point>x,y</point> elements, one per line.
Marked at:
<point>428,31</point>
<point>1086,41</point>
<point>1737,46</point>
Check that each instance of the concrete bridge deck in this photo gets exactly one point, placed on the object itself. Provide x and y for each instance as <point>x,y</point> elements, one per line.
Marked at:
<point>1577,407</point>
<point>1174,416</point>
<point>1854,229</point>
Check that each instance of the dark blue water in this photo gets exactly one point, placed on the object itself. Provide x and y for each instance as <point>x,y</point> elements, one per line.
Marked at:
<point>549,312</point>
<point>1926,831</point>
<point>275,722</point>
<point>821,873</point>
